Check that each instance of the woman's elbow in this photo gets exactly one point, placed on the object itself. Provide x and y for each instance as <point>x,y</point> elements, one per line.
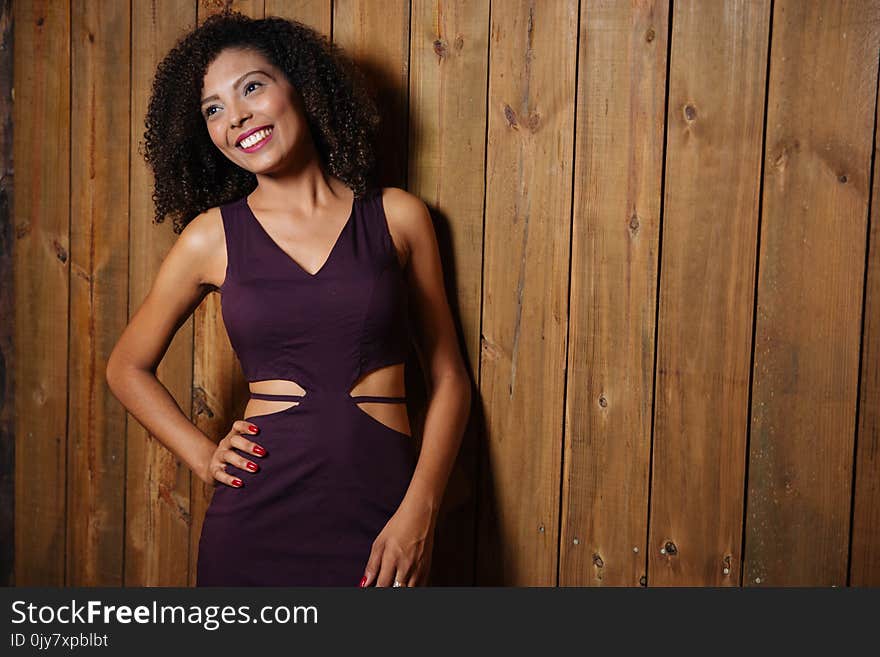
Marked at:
<point>111,372</point>
<point>454,376</point>
<point>116,369</point>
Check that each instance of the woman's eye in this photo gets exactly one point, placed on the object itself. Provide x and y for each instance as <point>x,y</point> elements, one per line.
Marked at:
<point>208,113</point>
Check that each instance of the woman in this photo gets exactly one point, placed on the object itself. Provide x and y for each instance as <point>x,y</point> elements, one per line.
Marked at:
<point>260,131</point>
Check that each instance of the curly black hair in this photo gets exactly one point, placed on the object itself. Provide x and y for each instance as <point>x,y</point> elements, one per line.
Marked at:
<point>191,174</point>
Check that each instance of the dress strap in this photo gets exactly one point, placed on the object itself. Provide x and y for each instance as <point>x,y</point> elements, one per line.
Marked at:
<point>375,398</point>
<point>235,240</point>
<point>275,397</point>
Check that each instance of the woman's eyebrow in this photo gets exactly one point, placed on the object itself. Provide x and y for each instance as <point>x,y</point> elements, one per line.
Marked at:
<point>237,82</point>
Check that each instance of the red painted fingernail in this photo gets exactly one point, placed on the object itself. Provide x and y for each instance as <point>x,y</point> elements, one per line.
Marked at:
<point>251,466</point>
<point>253,428</point>
<point>236,482</point>
<point>259,450</point>
<point>363,581</point>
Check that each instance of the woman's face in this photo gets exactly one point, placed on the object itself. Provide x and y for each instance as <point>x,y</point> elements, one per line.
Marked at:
<point>242,92</point>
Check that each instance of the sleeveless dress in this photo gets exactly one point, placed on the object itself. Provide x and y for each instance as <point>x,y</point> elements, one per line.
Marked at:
<point>332,475</point>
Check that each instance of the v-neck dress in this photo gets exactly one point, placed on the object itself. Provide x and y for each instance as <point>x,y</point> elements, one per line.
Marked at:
<point>332,475</point>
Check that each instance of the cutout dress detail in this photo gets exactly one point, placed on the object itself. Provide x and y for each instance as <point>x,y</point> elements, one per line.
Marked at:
<point>333,474</point>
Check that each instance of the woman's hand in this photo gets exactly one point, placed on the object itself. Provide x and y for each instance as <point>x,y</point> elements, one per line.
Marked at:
<point>225,454</point>
<point>402,550</point>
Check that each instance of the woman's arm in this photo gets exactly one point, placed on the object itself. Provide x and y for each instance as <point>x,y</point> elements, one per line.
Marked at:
<point>131,369</point>
<point>437,345</point>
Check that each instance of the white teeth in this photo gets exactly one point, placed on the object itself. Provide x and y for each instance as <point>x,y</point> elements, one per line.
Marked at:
<point>256,137</point>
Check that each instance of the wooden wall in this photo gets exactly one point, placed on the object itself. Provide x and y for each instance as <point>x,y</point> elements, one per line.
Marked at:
<point>659,227</point>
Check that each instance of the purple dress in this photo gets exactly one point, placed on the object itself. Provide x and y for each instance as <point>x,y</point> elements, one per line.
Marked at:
<point>332,475</point>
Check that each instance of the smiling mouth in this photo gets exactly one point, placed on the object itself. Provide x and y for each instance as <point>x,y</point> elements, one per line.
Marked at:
<point>256,140</point>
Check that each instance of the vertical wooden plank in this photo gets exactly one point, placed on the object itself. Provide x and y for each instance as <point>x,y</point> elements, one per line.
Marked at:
<point>810,280</point>
<point>713,162</point>
<point>375,33</point>
<point>533,50</point>
<point>219,390</point>
<point>616,230</point>
<point>7,302</point>
<point>864,567</point>
<point>99,132</point>
<point>157,513</point>
<point>447,131</point>
<point>41,255</point>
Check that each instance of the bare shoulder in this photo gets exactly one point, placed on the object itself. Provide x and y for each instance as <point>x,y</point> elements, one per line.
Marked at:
<point>409,220</point>
<point>204,241</point>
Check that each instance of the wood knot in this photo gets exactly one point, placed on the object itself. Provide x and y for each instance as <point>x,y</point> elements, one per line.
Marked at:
<point>60,251</point>
<point>510,115</point>
<point>79,272</point>
<point>534,122</point>
<point>785,150</point>
<point>490,350</point>
<point>200,402</point>
<point>634,223</point>
<point>725,567</point>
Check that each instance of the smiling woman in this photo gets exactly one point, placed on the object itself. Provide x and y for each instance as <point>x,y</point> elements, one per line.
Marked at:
<point>263,130</point>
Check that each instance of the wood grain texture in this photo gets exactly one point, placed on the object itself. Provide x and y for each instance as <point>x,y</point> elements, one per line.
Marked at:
<point>710,226</point>
<point>317,14</point>
<point>864,567</point>
<point>158,517</point>
<point>99,239</point>
<point>532,58</point>
<point>820,123</point>
<point>615,236</point>
<point>447,136</point>
<point>42,265</point>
